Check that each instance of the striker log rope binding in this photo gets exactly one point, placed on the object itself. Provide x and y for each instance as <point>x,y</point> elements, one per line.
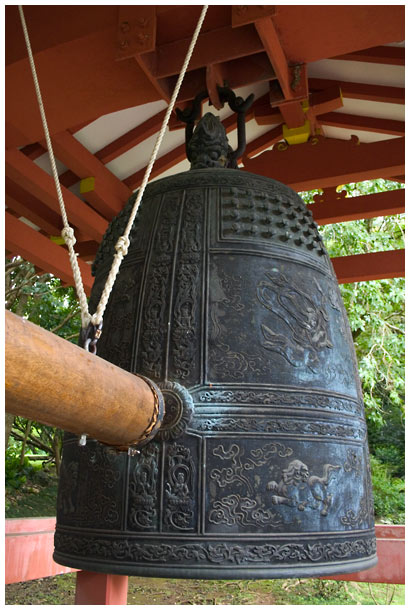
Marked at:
<point>122,245</point>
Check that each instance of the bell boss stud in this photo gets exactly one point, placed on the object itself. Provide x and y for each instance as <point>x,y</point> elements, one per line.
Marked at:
<point>52,381</point>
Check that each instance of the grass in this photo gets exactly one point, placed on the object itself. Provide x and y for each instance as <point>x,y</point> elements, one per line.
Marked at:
<point>60,590</point>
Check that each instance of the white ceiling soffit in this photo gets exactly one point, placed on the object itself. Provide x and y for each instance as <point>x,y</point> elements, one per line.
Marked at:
<point>108,128</point>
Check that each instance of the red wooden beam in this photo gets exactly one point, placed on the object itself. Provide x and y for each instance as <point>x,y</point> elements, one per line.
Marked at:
<point>333,207</point>
<point>379,55</point>
<point>361,91</point>
<point>82,87</point>
<point>292,81</point>
<point>274,50</point>
<point>36,181</point>
<point>243,14</point>
<point>401,179</point>
<point>326,100</point>
<point>362,123</point>
<point>85,56</point>
<point>68,178</point>
<point>25,204</point>
<point>162,164</point>
<point>41,251</point>
<point>325,162</point>
<point>80,126</point>
<point>239,73</point>
<point>86,250</point>
<point>72,153</point>
<point>292,113</point>
<point>368,267</point>
<point>263,112</point>
<point>339,29</point>
<point>136,30</point>
<point>162,86</point>
<point>33,151</point>
<point>130,139</point>
<point>212,47</point>
<point>109,193</point>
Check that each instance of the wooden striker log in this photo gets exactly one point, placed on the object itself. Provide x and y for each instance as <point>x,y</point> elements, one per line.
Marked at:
<point>59,384</point>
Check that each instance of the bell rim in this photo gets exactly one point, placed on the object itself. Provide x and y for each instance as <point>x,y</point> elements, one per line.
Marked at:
<point>244,572</point>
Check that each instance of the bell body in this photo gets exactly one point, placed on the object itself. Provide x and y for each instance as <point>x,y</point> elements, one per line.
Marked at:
<point>228,301</point>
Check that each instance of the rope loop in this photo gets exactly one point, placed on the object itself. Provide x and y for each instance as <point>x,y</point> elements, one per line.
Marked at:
<point>122,245</point>
<point>68,235</point>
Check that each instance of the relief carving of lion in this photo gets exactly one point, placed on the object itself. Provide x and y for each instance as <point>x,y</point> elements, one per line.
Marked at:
<point>299,488</point>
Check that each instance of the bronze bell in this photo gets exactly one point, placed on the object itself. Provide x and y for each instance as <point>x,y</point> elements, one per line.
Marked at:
<point>228,301</point>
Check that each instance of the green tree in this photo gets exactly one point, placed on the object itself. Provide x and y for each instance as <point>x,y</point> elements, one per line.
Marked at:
<point>376,314</point>
<point>44,301</point>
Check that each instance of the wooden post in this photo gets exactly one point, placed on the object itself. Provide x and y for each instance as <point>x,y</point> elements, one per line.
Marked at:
<point>50,380</point>
<point>101,589</point>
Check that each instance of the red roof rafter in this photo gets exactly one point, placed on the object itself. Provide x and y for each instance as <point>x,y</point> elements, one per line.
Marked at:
<point>378,55</point>
<point>273,48</point>
<point>162,164</point>
<point>106,67</point>
<point>292,81</point>
<point>362,123</point>
<point>42,252</point>
<point>25,204</point>
<point>87,250</point>
<point>130,139</point>
<point>324,162</point>
<point>34,151</point>
<point>36,181</point>
<point>333,207</point>
<point>79,159</point>
<point>214,47</point>
<point>108,194</point>
<point>368,267</point>
<point>361,91</point>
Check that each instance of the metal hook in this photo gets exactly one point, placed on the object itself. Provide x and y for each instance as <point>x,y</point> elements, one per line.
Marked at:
<point>89,337</point>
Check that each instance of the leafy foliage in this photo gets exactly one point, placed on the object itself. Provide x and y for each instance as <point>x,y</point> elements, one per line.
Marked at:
<point>17,472</point>
<point>376,308</point>
<point>376,314</point>
<point>42,299</point>
<point>388,493</point>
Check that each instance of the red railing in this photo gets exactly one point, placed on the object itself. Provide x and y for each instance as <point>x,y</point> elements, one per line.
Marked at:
<point>30,544</point>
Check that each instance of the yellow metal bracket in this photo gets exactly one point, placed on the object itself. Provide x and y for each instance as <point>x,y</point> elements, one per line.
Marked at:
<point>87,185</point>
<point>298,135</point>
<point>57,239</point>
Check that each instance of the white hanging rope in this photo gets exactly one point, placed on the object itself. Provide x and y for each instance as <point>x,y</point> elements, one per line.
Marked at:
<point>122,245</point>
<point>67,233</point>
<point>123,242</point>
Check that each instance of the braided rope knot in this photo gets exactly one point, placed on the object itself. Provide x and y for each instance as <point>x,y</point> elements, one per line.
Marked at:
<point>122,245</point>
<point>68,235</point>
